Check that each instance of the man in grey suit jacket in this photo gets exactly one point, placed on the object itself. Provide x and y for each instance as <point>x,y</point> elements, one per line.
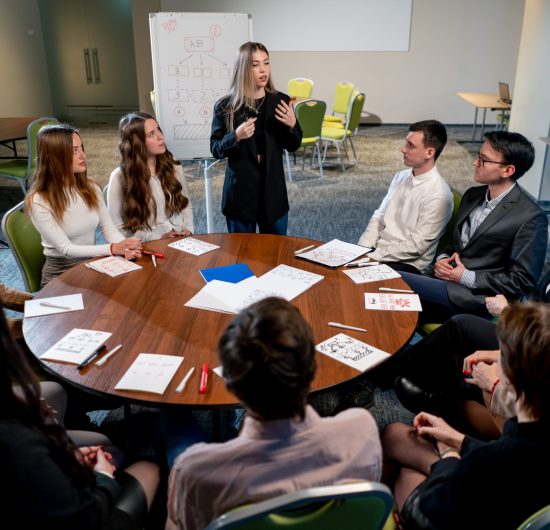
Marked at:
<point>499,240</point>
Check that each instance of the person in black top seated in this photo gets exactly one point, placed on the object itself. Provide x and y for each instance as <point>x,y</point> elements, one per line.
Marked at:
<point>452,372</point>
<point>49,483</point>
<point>443,479</point>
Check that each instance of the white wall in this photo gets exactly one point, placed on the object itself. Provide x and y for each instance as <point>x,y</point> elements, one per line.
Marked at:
<point>466,46</point>
<point>455,46</point>
<point>531,100</point>
<point>25,89</point>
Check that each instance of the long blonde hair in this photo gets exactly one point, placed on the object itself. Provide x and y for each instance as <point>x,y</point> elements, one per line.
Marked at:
<point>241,91</point>
<point>54,179</point>
<point>138,203</point>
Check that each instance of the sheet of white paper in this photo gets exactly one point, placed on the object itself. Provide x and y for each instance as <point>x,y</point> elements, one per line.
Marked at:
<point>352,352</point>
<point>211,296</point>
<point>292,273</point>
<point>193,246</point>
<point>150,372</point>
<point>392,302</point>
<point>76,346</point>
<point>369,274</point>
<point>34,308</point>
<point>218,371</point>
<point>334,253</point>
<point>113,265</point>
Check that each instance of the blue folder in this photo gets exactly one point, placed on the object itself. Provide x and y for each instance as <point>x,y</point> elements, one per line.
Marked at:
<point>228,273</point>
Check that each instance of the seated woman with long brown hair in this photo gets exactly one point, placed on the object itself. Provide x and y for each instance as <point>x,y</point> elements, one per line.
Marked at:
<point>67,207</point>
<point>148,195</point>
<point>49,483</point>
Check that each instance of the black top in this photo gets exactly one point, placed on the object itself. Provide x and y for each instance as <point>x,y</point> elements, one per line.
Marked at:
<point>243,191</point>
<point>39,494</point>
<point>494,485</point>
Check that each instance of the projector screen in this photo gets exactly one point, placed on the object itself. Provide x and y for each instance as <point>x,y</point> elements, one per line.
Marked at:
<point>317,26</point>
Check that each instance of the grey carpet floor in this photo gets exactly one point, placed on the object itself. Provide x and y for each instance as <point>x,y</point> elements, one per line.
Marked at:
<point>337,206</point>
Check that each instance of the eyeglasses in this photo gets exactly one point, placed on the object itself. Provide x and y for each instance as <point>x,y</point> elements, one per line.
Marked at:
<point>482,161</point>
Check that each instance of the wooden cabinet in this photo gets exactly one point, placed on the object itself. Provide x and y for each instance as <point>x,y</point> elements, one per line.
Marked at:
<point>90,54</point>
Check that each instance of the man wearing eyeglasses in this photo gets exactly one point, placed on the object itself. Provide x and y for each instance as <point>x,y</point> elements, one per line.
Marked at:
<point>499,240</point>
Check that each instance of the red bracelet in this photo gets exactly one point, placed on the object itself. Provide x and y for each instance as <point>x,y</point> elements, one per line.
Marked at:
<point>497,381</point>
<point>111,249</point>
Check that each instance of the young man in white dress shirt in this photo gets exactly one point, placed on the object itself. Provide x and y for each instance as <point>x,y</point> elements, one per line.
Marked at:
<point>405,230</point>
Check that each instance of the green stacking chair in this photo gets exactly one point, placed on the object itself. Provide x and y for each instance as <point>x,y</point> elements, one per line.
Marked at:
<point>26,245</point>
<point>300,88</point>
<point>538,521</point>
<point>20,169</point>
<point>340,136</point>
<point>432,326</point>
<point>342,97</point>
<point>310,115</point>
<point>356,506</point>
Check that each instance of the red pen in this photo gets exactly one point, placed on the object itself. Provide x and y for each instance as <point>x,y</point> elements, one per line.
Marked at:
<point>204,379</point>
<point>149,253</point>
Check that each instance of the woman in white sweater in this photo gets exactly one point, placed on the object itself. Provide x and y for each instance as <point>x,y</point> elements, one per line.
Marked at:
<point>67,207</point>
<point>148,196</point>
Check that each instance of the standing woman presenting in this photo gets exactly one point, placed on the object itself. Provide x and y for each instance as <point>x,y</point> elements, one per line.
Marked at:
<point>148,196</point>
<point>67,207</point>
<point>252,125</point>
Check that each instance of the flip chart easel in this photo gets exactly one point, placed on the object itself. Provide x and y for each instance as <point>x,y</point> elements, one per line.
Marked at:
<point>193,56</point>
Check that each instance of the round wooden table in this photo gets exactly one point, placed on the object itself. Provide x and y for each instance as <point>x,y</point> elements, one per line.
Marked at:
<point>145,311</point>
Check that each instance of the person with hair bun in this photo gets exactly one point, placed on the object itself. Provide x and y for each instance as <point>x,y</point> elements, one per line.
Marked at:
<point>268,359</point>
<point>67,207</point>
<point>148,196</point>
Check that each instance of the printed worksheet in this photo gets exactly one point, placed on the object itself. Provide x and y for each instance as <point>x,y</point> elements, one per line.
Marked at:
<point>193,246</point>
<point>113,265</point>
<point>376,273</point>
<point>292,273</point>
<point>76,346</point>
<point>334,253</point>
<point>150,372</point>
<point>353,352</point>
<point>392,302</point>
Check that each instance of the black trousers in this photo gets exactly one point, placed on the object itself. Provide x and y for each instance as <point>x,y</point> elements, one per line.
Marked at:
<point>435,363</point>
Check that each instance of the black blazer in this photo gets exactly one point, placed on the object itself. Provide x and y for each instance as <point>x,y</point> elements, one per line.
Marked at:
<point>507,250</point>
<point>242,188</point>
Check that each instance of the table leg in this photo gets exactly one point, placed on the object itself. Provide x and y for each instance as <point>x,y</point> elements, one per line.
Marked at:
<point>475,125</point>
<point>483,123</point>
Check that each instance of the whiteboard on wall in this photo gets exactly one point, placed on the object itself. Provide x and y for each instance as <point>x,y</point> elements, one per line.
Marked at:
<point>319,25</point>
<point>193,56</point>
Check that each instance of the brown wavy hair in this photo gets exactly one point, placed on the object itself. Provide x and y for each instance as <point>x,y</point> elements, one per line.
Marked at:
<point>31,411</point>
<point>138,204</point>
<point>54,179</point>
<point>241,92</point>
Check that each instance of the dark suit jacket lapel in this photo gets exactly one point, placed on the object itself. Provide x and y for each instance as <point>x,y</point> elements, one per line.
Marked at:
<point>503,208</point>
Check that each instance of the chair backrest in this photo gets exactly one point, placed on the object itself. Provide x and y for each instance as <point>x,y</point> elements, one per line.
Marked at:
<point>355,506</point>
<point>538,521</point>
<point>354,114</point>
<point>300,87</point>
<point>444,239</point>
<point>342,97</point>
<point>310,114</point>
<point>32,134</point>
<point>106,193</point>
<point>26,245</point>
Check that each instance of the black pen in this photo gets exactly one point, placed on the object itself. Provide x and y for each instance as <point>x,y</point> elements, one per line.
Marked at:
<point>91,357</point>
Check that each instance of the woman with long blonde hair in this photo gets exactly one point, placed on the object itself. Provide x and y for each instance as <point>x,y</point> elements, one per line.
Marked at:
<point>67,207</point>
<point>252,125</point>
<point>148,195</point>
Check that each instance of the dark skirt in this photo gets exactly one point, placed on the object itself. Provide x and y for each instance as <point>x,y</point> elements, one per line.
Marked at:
<point>53,267</point>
